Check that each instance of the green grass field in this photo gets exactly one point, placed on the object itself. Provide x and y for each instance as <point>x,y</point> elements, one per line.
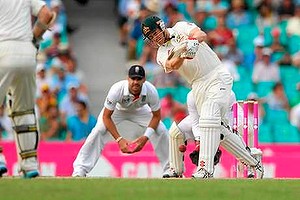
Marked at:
<point>144,189</point>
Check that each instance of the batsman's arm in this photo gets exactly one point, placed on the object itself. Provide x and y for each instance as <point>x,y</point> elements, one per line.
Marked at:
<point>174,63</point>
<point>198,34</point>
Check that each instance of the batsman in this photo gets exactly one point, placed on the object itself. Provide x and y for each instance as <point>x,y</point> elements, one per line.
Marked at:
<point>183,48</point>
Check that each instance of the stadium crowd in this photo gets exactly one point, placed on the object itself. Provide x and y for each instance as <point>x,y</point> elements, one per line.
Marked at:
<point>258,41</point>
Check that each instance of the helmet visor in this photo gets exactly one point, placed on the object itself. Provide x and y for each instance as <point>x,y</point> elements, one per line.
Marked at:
<point>156,38</point>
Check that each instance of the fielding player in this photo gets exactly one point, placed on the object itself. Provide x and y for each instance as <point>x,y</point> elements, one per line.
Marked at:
<point>135,100</point>
<point>182,48</point>
<point>17,72</point>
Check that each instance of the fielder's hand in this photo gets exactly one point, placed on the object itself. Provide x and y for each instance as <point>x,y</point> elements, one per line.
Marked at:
<point>139,143</point>
<point>124,146</point>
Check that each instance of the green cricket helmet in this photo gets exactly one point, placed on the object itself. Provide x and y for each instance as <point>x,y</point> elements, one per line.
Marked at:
<point>150,24</point>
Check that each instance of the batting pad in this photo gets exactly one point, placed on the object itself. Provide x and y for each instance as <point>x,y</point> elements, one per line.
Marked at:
<point>209,124</point>
<point>176,157</point>
<point>25,126</point>
<point>235,144</point>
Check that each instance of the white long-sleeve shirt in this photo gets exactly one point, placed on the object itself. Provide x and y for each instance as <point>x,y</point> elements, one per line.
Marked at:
<point>15,19</point>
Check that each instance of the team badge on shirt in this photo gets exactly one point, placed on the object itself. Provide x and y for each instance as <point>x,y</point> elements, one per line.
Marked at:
<point>125,100</point>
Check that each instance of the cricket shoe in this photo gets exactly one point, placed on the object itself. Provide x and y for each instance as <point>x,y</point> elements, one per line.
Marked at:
<point>30,174</point>
<point>78,174</point>
<point>257,154</point>
<point>202,174</point>
<point>171,174</point>
<point>3,168</point>
<point>251,172</point>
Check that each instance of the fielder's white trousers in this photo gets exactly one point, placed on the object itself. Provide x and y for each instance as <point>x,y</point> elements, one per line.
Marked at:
<point>95,142</point>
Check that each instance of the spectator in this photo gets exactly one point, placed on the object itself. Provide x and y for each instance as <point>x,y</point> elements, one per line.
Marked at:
<point>200,18</point>
<point>67,106</point>
<point>216,7</point>
<point>172,15</point>
<point>46,99</point>
<point>71,69</point>
<point>256,56</point>
<point>51,125</point>
<point>136,33</point>
<point>238,16</point>
<point>52,49</point>
<point>163,80</point>
<point>123,22</point>
<point>81,124</point>
<point>265,70</point>
<point>170,107</point>
<point>286,9</point>
<point>276,45</point>
<point>41,78</point>
<point>266,17</point>
<point>293,25</point>
<point>60,80</point>
<point>222,35</point>
<point>234,54</point>
<point>259,43</point>
<point>277,99</point>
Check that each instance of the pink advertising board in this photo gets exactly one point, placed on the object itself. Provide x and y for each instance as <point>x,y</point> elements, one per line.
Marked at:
<point>56,159</point>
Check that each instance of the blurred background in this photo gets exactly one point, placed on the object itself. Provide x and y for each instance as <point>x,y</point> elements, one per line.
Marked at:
<point>93,42</point>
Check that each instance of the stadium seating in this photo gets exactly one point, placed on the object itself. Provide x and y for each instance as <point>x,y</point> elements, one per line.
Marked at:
<point>276,117</point>
<point>264,88</point>
<point>265,134</point>
<point>245,41</point>
<point>285,133</point>
<point>294,44</point>
<point>242,89</point>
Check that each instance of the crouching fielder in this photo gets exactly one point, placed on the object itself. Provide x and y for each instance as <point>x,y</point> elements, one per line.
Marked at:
<point>17,73</point>
<point>188,129</point>
<point>135,100</point>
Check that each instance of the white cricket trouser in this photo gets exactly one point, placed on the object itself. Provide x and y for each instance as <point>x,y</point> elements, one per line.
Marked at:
<point>95,142</point>
<point>17,75</point>
<point>212,98</point>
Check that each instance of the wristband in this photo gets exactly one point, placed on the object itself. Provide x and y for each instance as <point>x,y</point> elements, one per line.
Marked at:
<point>119,139</point>
<point>149,131</point>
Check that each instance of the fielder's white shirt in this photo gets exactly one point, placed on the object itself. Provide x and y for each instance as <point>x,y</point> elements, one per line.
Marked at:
<point>15,19</point>
<point>203,63</point>
<point>120,98</point>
